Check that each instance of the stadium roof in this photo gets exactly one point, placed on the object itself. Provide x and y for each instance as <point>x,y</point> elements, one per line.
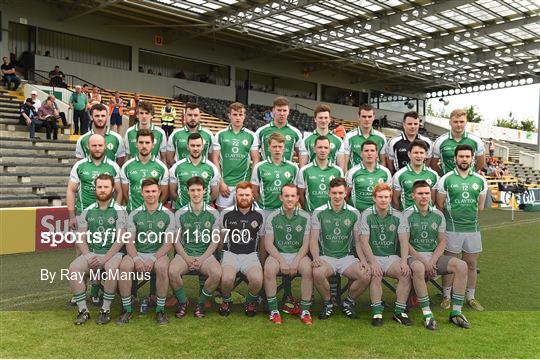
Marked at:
<point>410,46</point>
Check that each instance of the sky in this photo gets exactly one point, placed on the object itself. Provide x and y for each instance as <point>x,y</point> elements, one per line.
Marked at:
<point>522,101</point>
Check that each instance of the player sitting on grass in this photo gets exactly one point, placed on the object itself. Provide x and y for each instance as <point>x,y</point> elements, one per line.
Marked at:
<point>197,225</point>
<point>105,220</point>
<point>241,226</point>
<point>287,243</point>
<point>334,227</point>
<point>152,229</point>
<point>382,231</point>
<point>427,240</point>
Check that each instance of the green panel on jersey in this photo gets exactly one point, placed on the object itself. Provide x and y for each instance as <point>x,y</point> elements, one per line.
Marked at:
<point>196,231</point>
<point>184,171</point>
<point>335,145</point>
<point>180,138</point>
<point>355,144</point>
<point>289,232</point>
<point>461,209</point>
<point>363,182</point>
<point>448,147</point>
<point>292,135</point>
<point>317,182</point>
<point>336,234</point>
<point>98,222</point>
<point>87,172</point>
<point>135,172</point>
<point>272,177</point>
<point>132,140</point>
<point>112,144</point>
<point>153,225</point>
<point>423,229</point>
<point>383,232</point>
<point>235,149</point>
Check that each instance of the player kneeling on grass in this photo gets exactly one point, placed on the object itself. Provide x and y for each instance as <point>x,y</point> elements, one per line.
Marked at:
<point>427,240</point>
<point>334,227</point>
<point>382,230</point>
<point>241,226</point>
<point>152,229</point>
<point>287,243</point>
<point>197,225</point>
<point>105,221</point>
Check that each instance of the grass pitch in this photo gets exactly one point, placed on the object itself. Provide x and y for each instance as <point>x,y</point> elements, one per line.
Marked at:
<point>36,322</point>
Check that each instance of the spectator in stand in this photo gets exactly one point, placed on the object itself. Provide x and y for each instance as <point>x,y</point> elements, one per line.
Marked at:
<point>116,109</point>
<point>47,114</point>
<point>168,115</point>
<point>34,96</point>
<point>95,97</point>
<point>491,147</point>
<point>78,102</point>
<point>9,74</point>
<point>268,116</point>
<point>133,109</point>
<point>28,116</point>
<point>56,77</point>
<point>59,114</point>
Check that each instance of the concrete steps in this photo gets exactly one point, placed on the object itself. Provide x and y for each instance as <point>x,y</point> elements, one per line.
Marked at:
<point>33,178</point>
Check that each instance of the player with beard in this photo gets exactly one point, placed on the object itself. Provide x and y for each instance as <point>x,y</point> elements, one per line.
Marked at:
<point>194,165</point>
<point>145,115</point>
<point>177,145</point>
<point>144,165</point>
<point>106,221</point>
<point>114,145</point>
<point>241,227</point>
<point>461,193</point>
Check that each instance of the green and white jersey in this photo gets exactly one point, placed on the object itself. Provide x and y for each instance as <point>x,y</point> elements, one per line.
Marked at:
<point>151,229</point>
<point>316,181</point>
<point>134,172</point>
<point>461,207</point>
<point>160,140</point>
<point>103,225</point>
<point>178,142</point>
<point>235,154</point>
<point>424,229</point>
<point>446,144</point>
<point>293,139</point>
<point>197,231</point>
<point>308,144</point>
<point>270,178</point>
<point>383,232</point>
<point>114,145</point>
<point>336,229</point>
<point>353,141</point>
<point>405,178</point>
<point>361,182</point>
<point>84,173</point>
<point>288,232</point>
<point>184,170</point>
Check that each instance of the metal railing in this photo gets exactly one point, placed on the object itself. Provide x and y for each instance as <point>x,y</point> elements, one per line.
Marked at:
<point>68,82</point>
<point>201,101</point>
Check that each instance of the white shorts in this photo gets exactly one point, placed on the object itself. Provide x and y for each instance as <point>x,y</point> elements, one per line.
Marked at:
<point>145,256</point>
<point>289,257</point>
<point>205,261</point>
<point>387,261</point>
<point>469,242</point>
<point>339,265</point>
<point>241,262</point>
<point>92,254</point>
<point>225,202</point>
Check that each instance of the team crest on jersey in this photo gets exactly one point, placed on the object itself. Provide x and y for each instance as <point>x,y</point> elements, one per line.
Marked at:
<point>204,174</point>
<point>287,174</point>
<point>245,142</point>
<point>347,222</point>
<point>254,224</point>
<point>110,146</point>
<point>392,227</point>
<point>381,180</point>
<point>332,146</point>
<point>434,226</point>
<point>288,137</point>
<point>110,220</point>
<point>207,224</point>
<point>429,181</point>
<point>161,225</point>
<point>154,173</point>
<point>298,228</point>
<point>475,186</point>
